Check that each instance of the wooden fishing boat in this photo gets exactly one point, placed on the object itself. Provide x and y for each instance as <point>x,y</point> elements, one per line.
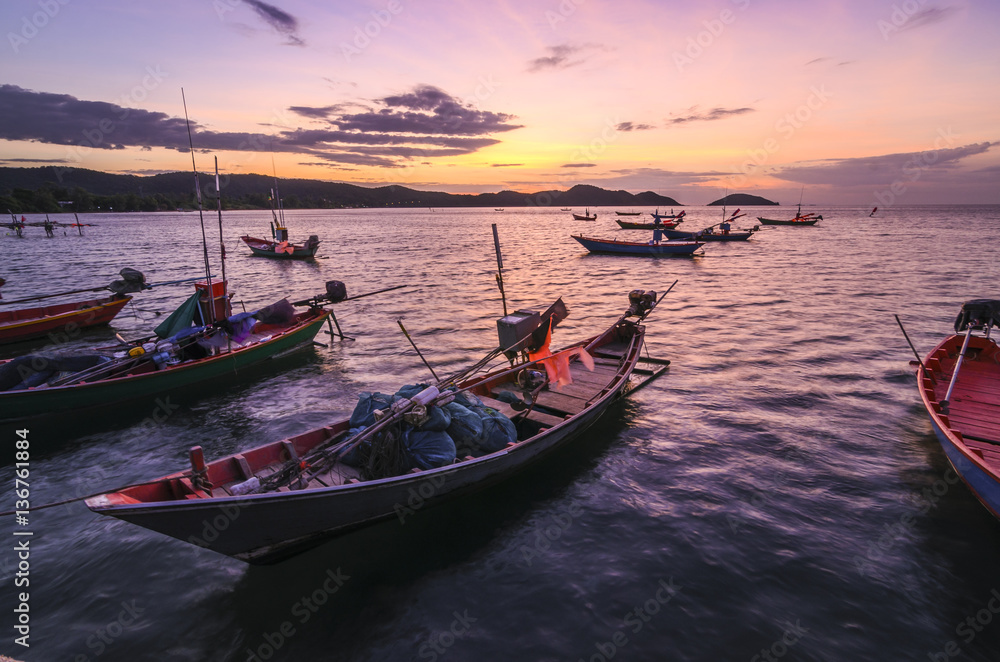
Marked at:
<point>793,221</point>
<point>632,225</point>
<point>110,381</point>
<point>28,323</point>
<point>707,235</point>
<point>629,213</point>
<point>959,383</point>
<point>280,498</point>
<point>800,219</point>
<point>616,247</point>
<point>584,217</point>
<point>282,250</point>
<point>657,216</point>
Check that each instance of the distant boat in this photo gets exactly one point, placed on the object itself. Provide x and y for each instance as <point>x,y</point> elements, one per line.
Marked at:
<point>566,209</point>
<point>279,247</point>
<point>708,235</point>
<point>501,209</point>
<point>585,216</point>
<point>800,219</point>
<point>657,216</point>
<point>613,246</point>
<point>959,383</point>
<point>632,225</point>
<point>629,213</point>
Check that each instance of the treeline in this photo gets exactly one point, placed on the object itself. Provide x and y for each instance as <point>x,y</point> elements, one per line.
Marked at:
<point>51,199</point>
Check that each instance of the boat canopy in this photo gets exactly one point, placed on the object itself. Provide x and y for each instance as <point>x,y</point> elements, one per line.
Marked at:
<point>978,313</point>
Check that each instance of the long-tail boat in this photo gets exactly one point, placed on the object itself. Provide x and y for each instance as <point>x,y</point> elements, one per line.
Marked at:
<point>278,247</point>
<point>585,216</point>
<point>36,322</point>
<point>959,383</point>
<point>799,219</point>
<point>632,225</point>
<point>283,497</point>
<point>180,355</point>
<point>616,247</point>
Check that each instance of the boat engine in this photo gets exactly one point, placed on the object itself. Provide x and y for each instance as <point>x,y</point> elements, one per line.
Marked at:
<point>517,326</point>
<point>640,302</point>
<point>336,291</point>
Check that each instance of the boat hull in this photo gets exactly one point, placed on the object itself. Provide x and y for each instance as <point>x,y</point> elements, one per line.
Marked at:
<point>771,221</point>
<point>28,323</point>
<point>265,248</point>
<point>969,428</point>
<point>32,403</point>
<point>578,217</point>
<point>614,247</point>
<point>632,225</point>
<point>701,236</point>
<point>264,528</point>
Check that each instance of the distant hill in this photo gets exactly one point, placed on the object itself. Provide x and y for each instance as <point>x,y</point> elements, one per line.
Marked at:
<point>40,190</point>
<point>742,200</point>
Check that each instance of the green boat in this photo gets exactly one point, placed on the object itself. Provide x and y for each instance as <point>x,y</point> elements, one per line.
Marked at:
<point>105,381</point>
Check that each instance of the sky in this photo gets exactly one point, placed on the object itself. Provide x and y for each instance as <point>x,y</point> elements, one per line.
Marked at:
<point>865,102</point>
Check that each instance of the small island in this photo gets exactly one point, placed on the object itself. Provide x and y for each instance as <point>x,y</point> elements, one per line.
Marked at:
<point>742,200</point>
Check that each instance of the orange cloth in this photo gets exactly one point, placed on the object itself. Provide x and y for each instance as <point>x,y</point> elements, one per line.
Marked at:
<point>557,365</point>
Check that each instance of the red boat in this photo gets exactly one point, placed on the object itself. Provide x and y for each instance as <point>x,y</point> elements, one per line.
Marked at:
<point>27,323</point>
<point>282,249</point>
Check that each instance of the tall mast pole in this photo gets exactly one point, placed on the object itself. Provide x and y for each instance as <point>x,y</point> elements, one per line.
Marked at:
<point>201,216</point>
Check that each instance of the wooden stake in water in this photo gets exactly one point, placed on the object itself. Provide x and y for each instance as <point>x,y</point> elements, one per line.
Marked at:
<point>496,245</point>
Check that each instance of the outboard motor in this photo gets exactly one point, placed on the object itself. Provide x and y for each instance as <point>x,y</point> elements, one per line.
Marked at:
<point>640,302</point>
<point>336,291</point>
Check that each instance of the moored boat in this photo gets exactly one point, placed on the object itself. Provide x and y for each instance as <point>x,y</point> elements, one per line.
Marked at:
<point>708,235</point>
<point>282,249</point>
<point>632,225</point>
<point>28,323</point>
<point>179,356</point>
<point>614,246</point>
<point>283,497</point>
<point>959,383</point>
<point>629,213</point>
<point>585,216</point>
<point>794,221</point>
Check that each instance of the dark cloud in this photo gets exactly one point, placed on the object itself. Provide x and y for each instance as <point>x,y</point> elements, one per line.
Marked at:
<point>426,122</point>
<point>561,57</point>
<point>506,165</point>
<point>630,126</point>
<point>883,170</point>
<point>34,161</point>
<point>817,60</point>
<point>283,22</point>
<point>578,165</point>
<point>714,114</point>
<point>929,16</point>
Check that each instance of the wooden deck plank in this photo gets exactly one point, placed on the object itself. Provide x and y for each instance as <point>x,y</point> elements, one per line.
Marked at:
<point>560,402</point>
<point>508,411</point>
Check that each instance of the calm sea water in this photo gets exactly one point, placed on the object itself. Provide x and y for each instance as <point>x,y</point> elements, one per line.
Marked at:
<point>778,490</point>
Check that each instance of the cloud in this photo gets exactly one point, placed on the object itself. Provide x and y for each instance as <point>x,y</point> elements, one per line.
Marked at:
<point>426,122</point>
<point>282,22</point>
<point>629,126</point>
<point>817,60</point>
<point>560,57</point>
<point>578,165</point>
<point>885,169</point>
<point>505,165</point>
<point>929,16</point>
<point>712,115</point>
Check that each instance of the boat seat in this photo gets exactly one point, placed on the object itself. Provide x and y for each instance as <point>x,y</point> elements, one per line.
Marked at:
<point>504,408</point>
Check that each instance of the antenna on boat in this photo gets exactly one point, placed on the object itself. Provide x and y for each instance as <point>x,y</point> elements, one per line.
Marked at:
<point>496,245</point>
<point>201,216</point>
